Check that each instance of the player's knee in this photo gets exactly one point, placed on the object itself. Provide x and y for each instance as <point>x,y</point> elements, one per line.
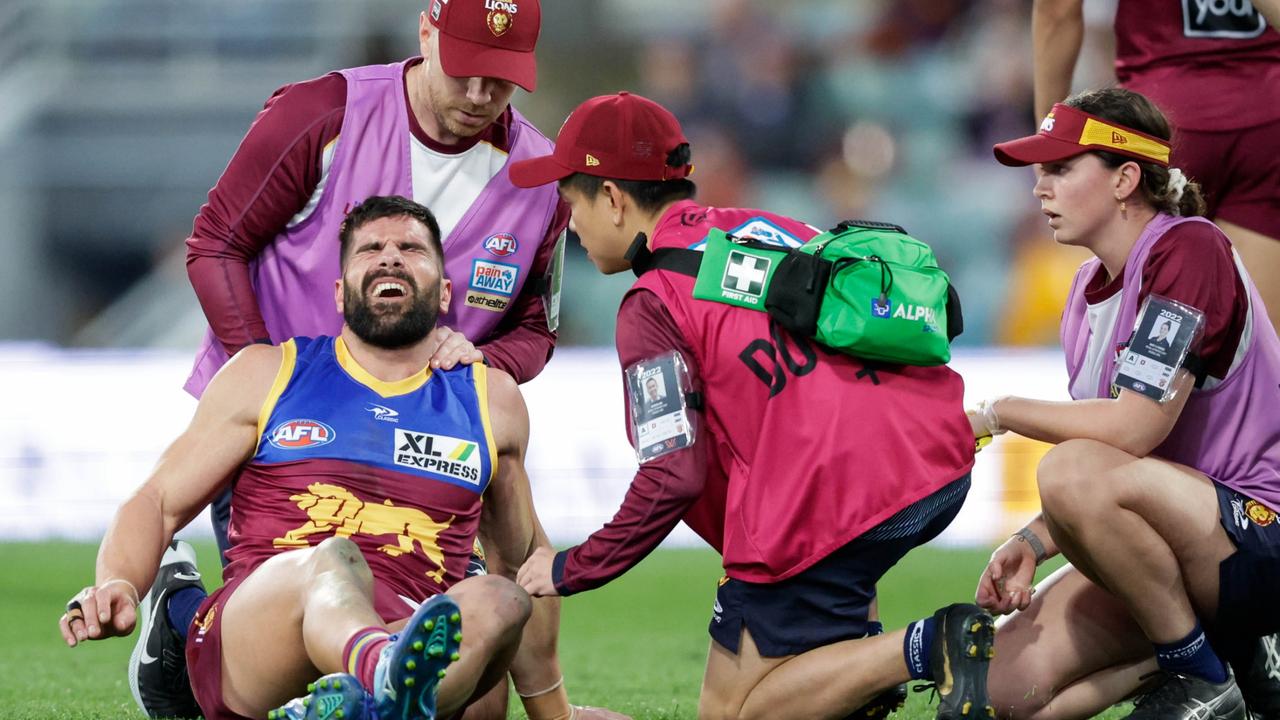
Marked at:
<point>505,606</point>
<point>509,601</point>
<point>339,553</point>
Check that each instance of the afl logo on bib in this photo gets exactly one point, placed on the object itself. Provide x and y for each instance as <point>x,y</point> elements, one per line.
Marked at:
<point>501,245</point>
<point>299,434</point>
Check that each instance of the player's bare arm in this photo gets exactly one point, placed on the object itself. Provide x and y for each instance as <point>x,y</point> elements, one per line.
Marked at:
<point>1057,30</point>
<point>222,435</point>
<point>512,533</point>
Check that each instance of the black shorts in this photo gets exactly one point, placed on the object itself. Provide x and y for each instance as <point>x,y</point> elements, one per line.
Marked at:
<point>829,602</point>
<point>1251,525</point>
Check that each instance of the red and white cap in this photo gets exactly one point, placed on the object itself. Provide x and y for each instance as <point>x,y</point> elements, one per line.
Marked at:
<point>622,136</point>
<point>489,38</point>
<point>1067,132</point>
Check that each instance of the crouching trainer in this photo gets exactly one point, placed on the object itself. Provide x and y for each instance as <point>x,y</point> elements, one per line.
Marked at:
<point>812,472</point>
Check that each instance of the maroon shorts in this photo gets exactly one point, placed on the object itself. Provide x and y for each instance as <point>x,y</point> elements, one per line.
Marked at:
<point>1239,173</point>
<point>204,644</point>
<point>204,654</point>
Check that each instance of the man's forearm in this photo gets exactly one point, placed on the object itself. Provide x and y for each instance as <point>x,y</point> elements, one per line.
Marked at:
<point>225,291</point>
<point>1057,31</point>
<point>536,665</point>
<point>535,670</point>
<point>134,544</point>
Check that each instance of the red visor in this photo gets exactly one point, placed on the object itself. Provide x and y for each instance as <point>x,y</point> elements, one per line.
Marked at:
<point>1067,132</point>
<point>489,38</point>
<point>623,136</point>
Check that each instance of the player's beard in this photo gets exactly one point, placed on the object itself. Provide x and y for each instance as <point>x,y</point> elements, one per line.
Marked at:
<point>391,325</point>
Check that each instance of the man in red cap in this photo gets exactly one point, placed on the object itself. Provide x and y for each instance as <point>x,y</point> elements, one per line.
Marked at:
<point>745,444</point>
<point>438,129</point>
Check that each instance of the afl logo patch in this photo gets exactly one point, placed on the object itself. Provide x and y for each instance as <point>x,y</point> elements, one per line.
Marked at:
<point>501,245</point>
<point>299,434</point>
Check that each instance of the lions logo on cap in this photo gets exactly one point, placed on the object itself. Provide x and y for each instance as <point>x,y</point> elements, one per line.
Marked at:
<point>501,15</point>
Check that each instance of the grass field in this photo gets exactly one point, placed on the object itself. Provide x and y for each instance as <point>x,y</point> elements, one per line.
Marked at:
<point>637,646</point>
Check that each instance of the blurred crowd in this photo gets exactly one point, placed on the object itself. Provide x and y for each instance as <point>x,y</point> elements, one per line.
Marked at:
<point>820,109</point>
<point>887,111</point>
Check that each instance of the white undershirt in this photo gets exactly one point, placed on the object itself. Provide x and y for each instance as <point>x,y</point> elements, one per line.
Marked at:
<point>446,183</point>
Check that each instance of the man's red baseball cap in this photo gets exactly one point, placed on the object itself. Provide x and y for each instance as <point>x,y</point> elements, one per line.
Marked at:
<point>489,38</point>
<point>622,136</point>
<point>1067,132</point>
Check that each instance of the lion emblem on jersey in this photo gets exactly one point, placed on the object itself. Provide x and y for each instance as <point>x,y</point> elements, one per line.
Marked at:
<point>334,509</point>
<point>1260,514</point>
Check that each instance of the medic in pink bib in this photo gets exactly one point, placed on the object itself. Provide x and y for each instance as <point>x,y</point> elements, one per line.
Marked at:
<point>1162,486</point>
<point>812,472</point>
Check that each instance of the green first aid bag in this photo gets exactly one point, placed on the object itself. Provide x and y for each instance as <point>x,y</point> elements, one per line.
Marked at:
<point>864,288</point>
<point>871,290</point>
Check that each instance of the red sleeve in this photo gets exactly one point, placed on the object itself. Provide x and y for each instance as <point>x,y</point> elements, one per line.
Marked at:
<point>270,178</point>
<point>522,344</point>
<point>1193,265</point>
<point>664,489</point>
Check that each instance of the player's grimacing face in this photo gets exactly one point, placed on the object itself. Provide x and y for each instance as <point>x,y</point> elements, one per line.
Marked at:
<point>1078,195</point>
<point>591,218</point>
<point>392,290</point>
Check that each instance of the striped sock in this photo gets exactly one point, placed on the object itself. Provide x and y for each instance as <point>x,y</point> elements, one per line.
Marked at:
<point>360,654</point>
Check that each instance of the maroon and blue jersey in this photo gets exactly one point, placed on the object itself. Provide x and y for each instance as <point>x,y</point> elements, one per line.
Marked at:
<point>399,468</point>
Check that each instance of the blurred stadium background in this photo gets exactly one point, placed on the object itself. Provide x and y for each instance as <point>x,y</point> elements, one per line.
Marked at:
<point>119,115</point>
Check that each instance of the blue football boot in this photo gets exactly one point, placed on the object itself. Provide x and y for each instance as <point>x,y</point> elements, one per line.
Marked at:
<point>412,665</point>
<point>333,697</point>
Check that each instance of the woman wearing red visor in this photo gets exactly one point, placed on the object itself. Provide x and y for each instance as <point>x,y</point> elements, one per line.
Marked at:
<point>1162,485</point>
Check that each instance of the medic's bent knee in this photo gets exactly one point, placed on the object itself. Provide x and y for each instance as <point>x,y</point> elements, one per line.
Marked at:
<point>1065,481</point>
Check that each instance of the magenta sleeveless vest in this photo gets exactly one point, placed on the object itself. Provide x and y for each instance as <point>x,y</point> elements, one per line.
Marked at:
<point>808,454</point>
<point>293,277</point>
<point>1230,432</point>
